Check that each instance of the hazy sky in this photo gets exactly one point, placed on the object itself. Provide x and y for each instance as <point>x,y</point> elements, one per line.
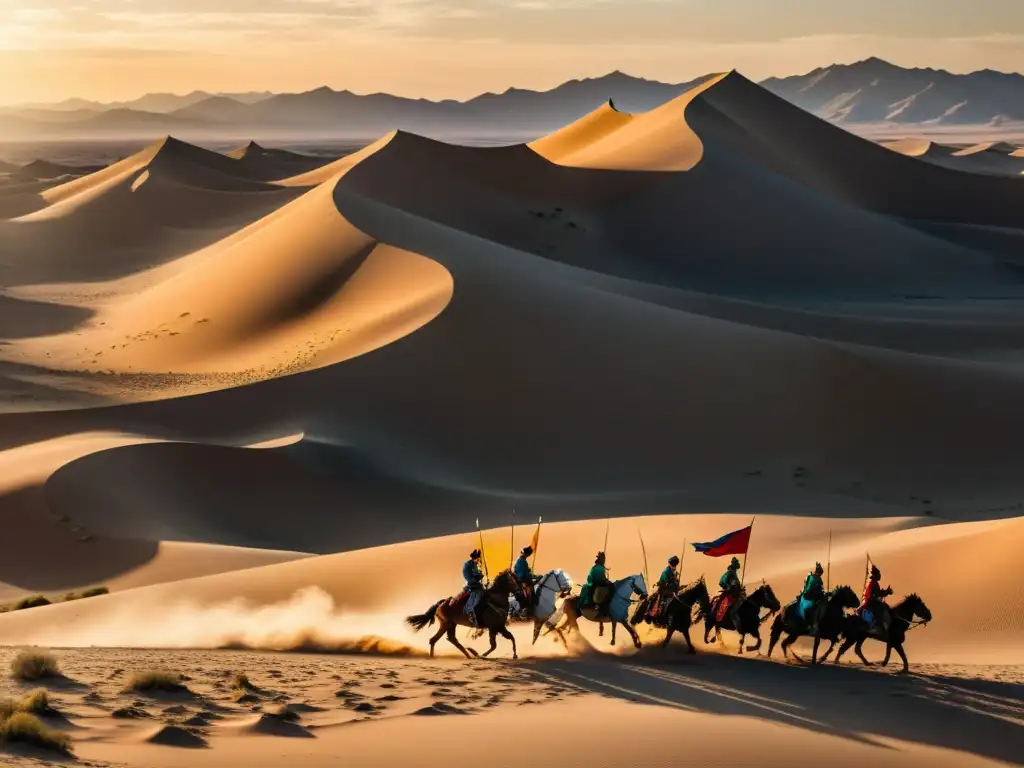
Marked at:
<point>117,49</point>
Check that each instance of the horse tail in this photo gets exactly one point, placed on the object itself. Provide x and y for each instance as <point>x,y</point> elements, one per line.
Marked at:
<point>424,619</point>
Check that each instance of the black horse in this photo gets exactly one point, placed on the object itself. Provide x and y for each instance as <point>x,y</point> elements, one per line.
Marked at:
<point>829,628</point>
<point>909,612</point>
<point>749,614</point>
<point>679,611</point>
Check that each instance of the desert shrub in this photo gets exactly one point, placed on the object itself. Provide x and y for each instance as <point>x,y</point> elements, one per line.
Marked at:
<point>156,680</point>
<point>26,728</point>
<point>34,665</point>
<point>91,592</point>
<point>36,601</point>
<point>241,681</point>
<point>36,702</point>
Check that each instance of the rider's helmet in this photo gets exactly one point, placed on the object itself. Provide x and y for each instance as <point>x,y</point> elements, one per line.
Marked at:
<point>599,560</point>
<point>673,561</point>
<point>526,551</point>
<point>475,554</point>
<point>734,563</point>
<point>875,573</point>
<point>818,569</point>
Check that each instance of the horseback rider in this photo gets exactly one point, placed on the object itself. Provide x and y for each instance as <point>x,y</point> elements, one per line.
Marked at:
<point>474,579</point>
<point>872,607</point>
<point>597,579</point>
<point>524,574</point>
<point>667,588</point>
<point>732,590</point>
<point>808,603</point>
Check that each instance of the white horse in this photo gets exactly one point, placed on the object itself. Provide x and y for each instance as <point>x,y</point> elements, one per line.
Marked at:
<point>546,610</point>
<point>618,609</point>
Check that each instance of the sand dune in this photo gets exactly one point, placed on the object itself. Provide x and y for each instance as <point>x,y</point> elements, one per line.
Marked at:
<point>211,364</point>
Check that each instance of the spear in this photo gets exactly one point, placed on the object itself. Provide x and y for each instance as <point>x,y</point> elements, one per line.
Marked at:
<point>512,543</point>
<point>644,550</point>
<point>828,568</point>
<point>607,524</point>
<point>482,553</point>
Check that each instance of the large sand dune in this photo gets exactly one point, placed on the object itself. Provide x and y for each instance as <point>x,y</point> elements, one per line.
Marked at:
<point>211,364</point>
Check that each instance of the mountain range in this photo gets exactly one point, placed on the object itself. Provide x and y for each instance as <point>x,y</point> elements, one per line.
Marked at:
<point>867,92</point>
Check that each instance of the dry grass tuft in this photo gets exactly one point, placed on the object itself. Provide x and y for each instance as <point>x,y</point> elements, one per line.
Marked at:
<point>26,728</point>
<point>36,601</point>
<point>157,680</point>
<point>34,665</point>
<point>92,592</point>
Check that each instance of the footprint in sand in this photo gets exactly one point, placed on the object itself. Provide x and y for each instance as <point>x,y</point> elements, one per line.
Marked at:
<point>130,713</point>
<point>440,708</point>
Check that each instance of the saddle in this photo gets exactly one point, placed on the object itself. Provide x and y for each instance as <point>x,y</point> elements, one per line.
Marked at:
<point>720,606</point>
<point>459,600</point>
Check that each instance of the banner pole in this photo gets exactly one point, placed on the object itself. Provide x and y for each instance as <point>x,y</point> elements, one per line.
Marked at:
<point>539,518</point>
<point>512,543</point>
<point>746,554</point>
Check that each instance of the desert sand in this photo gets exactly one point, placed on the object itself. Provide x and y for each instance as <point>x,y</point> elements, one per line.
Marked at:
<point>263,398</point>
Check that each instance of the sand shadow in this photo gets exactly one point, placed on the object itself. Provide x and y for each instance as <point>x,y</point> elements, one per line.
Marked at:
<point>978,717</point>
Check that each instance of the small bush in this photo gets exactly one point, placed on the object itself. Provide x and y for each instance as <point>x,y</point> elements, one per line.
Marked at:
<point>36,601</point>
<point>241,681</point>
<point>34,665</point>
<point>26,728</point>
<point>156,680</point>
<point>36,702</point>
<point>91,592</point>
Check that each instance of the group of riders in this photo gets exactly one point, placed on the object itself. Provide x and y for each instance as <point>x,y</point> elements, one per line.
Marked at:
<point>597,592</point>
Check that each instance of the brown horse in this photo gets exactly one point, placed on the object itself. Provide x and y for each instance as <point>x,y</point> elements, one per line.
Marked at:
<point>492,612</point>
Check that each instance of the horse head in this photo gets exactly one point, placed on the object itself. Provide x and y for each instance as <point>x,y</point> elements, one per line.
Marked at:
<point>844,597</point>
<point>636,584</point>
<point>564,583</point>
<point>917,607</point>
<point>698,593</point>
<point>506,583</point>
<point>765,597</point>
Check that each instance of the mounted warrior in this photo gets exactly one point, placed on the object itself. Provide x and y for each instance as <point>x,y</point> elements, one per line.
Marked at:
<point>474,586</point>
<point>873,609</point>
<point>526,578</point>
<point>598,590</point>
<point>731,591</point>
<point>810,604</point>
<point>667,588</point>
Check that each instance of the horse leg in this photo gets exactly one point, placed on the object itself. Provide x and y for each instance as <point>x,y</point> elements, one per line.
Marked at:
<point>613,631</point>
<point>600,630</point>
<point>668,636</point>
<point>536,630</point>
<point>689,642</point>
<point>494,643</point>
<point>756,646</point>
<point>906,664</point>
<point>509,636</point>
<point>847,644</point>
<point>814,653</point>
<point>888,653</point>
<point>773,638</point>
<point>632,634</point>
<point>831,646</point>
<point>441,629</point>
<point>857,649</point>
<point>455,641</point>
